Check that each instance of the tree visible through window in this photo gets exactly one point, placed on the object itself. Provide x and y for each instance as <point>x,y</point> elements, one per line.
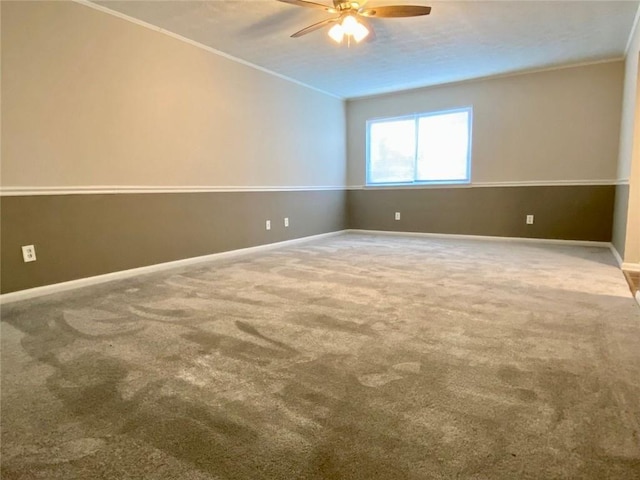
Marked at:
<point>420,149</point>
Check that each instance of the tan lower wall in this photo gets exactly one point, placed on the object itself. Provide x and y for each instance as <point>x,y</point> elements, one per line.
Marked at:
<point>561,212</point>
<point>620,211</point>
<point>78,236</point>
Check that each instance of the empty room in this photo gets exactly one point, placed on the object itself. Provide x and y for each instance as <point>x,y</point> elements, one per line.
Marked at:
<point>305,240</point>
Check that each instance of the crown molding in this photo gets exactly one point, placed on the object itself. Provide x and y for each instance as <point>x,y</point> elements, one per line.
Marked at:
<point>482,78</point>
<point>634,26</point>
<point>202,46</point>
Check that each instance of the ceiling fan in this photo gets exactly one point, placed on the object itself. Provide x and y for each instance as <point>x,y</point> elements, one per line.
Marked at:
<point>351,20</point>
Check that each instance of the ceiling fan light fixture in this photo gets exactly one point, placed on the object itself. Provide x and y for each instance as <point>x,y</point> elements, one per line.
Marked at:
<point>349,24</point>
<point>349,11</point>
<point>336,33</point>
<point>349,27</point>
<point>360,32</point>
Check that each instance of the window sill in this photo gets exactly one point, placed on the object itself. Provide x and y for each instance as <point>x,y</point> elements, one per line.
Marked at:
<point>461,184</point>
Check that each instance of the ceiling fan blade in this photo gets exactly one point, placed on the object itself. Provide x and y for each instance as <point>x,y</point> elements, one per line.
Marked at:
<point>395,11</point>
<point>314,27</point>
<point>304,3</point>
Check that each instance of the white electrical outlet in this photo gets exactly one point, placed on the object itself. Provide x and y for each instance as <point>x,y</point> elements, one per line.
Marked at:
<point>29,253</point>
<point>286,221</point>
<point>268,225</point>
<point>529,219</point>
<point>397,215</point>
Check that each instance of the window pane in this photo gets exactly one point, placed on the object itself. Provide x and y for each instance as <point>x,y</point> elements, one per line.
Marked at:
<point>392,147</point>
<point>443,144</point>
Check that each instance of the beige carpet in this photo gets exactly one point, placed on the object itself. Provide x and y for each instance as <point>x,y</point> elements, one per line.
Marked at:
<point>355,357</point>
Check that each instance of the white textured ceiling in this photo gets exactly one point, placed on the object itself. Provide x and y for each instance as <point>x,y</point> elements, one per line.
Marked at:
<point>458,41</point>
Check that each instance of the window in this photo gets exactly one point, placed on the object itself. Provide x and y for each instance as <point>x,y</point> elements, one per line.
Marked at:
<point>420,149</point>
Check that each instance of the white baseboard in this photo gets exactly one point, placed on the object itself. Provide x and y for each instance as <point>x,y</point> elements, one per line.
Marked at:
<point>133,272</point>
<point>616,255</point>
<point>547,241</point>
<point>628,266</point>
<point>109,277</point>
<point>631,267</point>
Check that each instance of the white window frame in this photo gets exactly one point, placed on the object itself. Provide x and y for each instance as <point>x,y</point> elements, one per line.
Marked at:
<point>416,117</point>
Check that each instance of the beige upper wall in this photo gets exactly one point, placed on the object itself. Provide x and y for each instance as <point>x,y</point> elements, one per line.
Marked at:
<point>91,99</point>
<point>629,162</point>
<point>632,246</point>
<point>629,105</point>
<point>559,125</point>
